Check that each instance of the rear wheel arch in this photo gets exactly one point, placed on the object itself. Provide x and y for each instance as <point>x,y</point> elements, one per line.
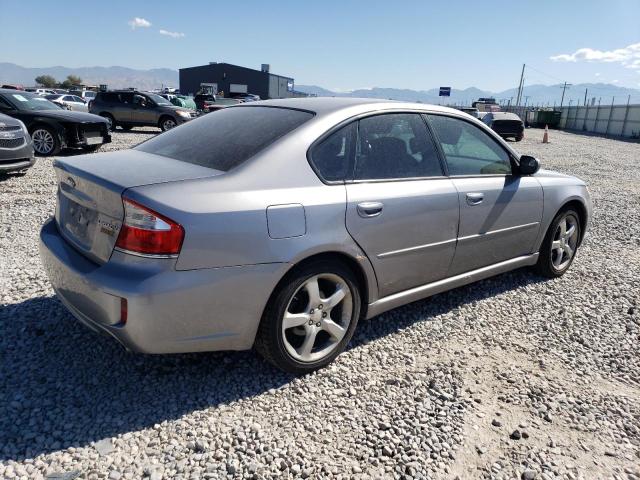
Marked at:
<point>341,257</point>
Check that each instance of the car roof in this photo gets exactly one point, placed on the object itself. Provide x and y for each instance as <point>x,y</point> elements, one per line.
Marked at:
<point>328,105</point>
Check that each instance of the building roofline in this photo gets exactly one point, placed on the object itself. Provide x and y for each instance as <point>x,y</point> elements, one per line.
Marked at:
<point>236,66</point>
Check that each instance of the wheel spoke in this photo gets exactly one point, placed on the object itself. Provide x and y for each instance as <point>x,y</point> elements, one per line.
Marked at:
<point>336,298</point>
<point>305,349</point>
<point>335,330</point>
<point>556,245</point>
<point>563,227</point>
<point>569,233</point>
<point>559,254</point>
<point>292,320</point>
<point>568,250</point>
<point>313,290</point>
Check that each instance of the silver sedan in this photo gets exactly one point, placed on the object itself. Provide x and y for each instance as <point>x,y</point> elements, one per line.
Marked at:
<point>280,224</point>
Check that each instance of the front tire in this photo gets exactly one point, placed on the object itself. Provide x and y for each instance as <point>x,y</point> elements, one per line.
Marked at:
<point>560,244</point>
<point>167,123</point>
<point>310,318</point>
<point>45,141</point>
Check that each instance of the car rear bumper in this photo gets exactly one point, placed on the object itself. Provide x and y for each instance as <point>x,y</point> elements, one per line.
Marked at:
<point>168,311</point>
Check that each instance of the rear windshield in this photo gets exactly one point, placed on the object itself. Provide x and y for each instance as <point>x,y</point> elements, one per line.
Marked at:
<point>227,138</point>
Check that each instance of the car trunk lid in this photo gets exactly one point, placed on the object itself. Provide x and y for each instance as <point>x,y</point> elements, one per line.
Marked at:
<point>89,210</point>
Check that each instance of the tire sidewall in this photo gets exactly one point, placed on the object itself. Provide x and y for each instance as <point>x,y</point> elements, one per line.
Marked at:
<point>56,141</point>
<point>549,239</point>
<point>281,302</point>
<point>165,119</point>
<point>112,120</point>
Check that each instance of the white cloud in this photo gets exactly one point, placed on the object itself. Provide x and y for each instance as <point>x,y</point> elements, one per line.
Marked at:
<point>171,34</point>
<point>138,22</point>
<point>598,74</point>
<point>615,81</point>
<point>628,56</point>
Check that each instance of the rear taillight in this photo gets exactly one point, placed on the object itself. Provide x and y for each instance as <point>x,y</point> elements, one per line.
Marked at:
<point>147,232</point>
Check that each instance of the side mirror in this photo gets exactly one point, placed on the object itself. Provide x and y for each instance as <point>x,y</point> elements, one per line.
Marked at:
<point>529,165</point>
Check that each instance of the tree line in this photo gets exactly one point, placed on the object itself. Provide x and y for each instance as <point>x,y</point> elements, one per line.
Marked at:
<point>47,81</point>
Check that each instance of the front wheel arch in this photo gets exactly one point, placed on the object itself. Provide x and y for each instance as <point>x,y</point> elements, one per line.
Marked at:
<point>582,213</point>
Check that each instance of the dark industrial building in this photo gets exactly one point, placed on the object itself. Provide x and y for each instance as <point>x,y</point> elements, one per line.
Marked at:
<point>227,78</point>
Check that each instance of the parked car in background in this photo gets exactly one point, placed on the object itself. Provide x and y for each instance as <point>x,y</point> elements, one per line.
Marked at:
<point>245,97</point>
<point>220,103</point>
<point>505,124</point>
<point>51,127</point>
<point>130,108</point>
<point>40,91</point>
<point>201,99</point>
<point>12,86</point>
<point>280,224</point>
<point>474,112</point>
<point>68,101</point>
<point>16,147</point>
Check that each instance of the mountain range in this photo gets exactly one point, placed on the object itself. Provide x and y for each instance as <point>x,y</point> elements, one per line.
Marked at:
<point>123,77</point>
<point>115,77</point>
<point>532,94</point>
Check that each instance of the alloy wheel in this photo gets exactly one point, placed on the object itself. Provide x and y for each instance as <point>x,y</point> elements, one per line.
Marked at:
<point>565,240</point>
<point>168,124</point>
<point>43,141</point>
<point>317,317</point>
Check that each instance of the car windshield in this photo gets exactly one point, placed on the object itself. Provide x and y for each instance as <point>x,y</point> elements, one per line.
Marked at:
<point>31,102</point>
<point>225,139</point>
<point>52,96</point>
<point>158,99</point>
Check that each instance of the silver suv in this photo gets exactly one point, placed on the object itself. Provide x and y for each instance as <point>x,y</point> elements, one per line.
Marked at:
<point>131,108</point>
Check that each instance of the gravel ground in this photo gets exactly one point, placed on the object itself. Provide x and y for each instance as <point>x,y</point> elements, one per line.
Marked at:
<point>512,377</point>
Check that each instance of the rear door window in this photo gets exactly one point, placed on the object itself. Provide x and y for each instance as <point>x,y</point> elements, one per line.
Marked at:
<point>227,138</point>
<point>395,146</point>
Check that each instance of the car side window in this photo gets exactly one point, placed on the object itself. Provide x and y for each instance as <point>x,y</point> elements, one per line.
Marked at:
<point>395,146</point>
<point>331,156</point>
<point>4,105</point>
<point>469,150</point>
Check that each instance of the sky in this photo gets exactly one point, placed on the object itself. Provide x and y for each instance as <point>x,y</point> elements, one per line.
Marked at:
<point>340,45</point>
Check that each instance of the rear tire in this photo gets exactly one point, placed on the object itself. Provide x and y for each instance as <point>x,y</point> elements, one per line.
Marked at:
<point>310,318</point>
<point>110,120</point>
<point>560,244</point>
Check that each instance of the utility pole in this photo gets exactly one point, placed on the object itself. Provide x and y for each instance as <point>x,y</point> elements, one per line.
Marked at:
<point>585,96</point>
<point>519,97</point>
<point>563,90</point>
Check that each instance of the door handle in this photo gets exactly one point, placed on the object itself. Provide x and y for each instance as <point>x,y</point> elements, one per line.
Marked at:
<point>475,198</point>
<point>369,209</point>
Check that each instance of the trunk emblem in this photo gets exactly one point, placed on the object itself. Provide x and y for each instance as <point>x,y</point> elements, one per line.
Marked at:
<point>71,182</point>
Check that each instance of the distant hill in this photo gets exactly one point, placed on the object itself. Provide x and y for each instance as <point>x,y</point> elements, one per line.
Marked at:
<point>535,93</point>
<point>122,77</point>
<point>115,77</point>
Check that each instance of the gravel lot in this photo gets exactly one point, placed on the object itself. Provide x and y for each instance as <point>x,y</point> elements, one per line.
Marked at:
<point>513,377</point>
